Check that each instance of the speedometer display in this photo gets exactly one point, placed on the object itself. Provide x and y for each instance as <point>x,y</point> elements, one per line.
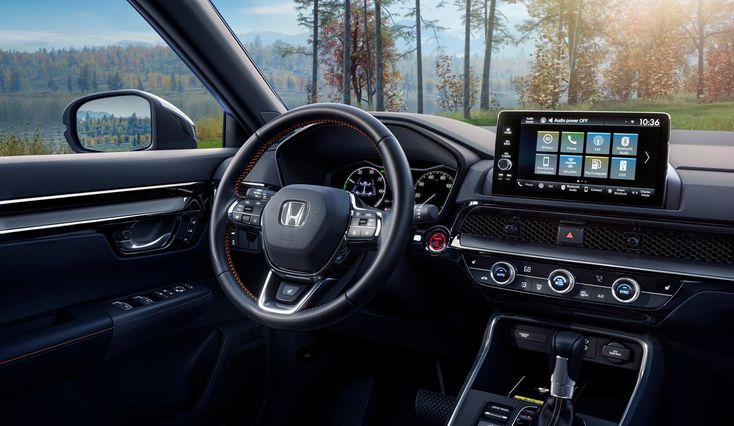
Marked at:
<point>368,184</point>
<point>433,187</point>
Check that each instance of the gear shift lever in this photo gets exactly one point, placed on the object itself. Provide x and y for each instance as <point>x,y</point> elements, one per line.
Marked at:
<point>567,351</point>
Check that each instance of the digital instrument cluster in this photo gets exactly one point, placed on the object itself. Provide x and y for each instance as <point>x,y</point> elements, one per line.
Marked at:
<point>367,182</point>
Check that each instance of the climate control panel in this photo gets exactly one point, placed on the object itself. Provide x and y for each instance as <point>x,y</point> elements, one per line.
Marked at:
<point>577,283</point>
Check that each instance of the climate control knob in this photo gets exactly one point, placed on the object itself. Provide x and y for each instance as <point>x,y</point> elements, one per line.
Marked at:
<point>625,290</point>
<point>561,281</point>
<point>504,164</point>
<point>502,273</point>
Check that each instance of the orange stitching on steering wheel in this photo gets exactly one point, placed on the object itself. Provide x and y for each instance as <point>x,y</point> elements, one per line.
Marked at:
<point>251,164</point>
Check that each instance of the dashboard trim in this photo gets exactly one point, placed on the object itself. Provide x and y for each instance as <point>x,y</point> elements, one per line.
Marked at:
<point>93,193</point>
<point>456,243</point>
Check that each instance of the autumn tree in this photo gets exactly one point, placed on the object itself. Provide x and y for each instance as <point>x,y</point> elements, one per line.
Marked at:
<point>360,65</point>
<point>704,19</point>
<point>414,34</point>
<point>568,52</point>
<point>648,51</point>
<point>494,35</point>
<point>450,85</point>
<point>720,63</point>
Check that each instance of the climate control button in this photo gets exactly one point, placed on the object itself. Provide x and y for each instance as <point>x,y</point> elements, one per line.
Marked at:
<point>502,273</point>
<point>561,281</point>
<point>625,290</point>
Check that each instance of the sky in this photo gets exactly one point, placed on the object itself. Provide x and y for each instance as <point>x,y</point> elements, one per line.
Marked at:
<point>119,106</point>
<point>27,25</point>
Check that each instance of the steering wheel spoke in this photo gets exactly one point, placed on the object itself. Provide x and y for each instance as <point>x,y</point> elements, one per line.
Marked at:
<point>365,226</point>
<point>246,213</point>
<point>286,296</point>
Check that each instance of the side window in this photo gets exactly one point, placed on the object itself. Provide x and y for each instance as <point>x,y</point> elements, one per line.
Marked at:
<point>53,52</point>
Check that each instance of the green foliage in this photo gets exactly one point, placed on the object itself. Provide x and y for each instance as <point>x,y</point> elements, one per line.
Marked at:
<point>14,142</point>
<point>210,128</point>
<point>685,113</point>
<point>111,133</point>
<point>95,68</point>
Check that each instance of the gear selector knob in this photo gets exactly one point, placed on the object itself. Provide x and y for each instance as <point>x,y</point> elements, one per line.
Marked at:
<point>567,351</point>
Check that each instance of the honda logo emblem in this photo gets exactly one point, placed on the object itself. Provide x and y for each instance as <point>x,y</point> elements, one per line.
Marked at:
<point>294,214</point>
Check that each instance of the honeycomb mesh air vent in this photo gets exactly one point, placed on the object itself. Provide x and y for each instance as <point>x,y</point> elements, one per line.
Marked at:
<point>686,245</point>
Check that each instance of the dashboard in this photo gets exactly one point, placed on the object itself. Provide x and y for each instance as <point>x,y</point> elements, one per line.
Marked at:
<point>655,255</point>
<point>637,253</point>
<point>432,183</point>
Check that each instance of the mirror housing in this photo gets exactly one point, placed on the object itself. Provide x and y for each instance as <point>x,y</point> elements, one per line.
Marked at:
<point>170,128</point>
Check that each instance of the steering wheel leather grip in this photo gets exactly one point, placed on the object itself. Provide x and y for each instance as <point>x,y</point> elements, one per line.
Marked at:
<point>391,240</point>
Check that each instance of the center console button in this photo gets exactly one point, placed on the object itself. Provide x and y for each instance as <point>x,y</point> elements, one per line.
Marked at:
<point>625,290</point>
<point>503,273</point>
<point>504,164</point>
<point>561,281</point>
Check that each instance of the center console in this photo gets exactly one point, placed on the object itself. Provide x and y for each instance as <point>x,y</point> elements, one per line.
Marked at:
<point>511,377</point>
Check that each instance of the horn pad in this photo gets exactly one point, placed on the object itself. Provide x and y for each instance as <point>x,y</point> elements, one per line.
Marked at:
<point>303,226</point>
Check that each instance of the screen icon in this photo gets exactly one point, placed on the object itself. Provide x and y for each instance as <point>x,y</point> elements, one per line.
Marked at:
<point>570,165</point>
<point>598,143</point>
<point>572,142</point>
<point>596,167</point>
<point>625,144</point>
<point>623,168</point>
<point>547,141</point>
<point>546,164</point>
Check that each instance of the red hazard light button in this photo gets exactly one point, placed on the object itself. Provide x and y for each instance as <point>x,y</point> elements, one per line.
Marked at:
<point>437,240</point>
<point>570,235</point>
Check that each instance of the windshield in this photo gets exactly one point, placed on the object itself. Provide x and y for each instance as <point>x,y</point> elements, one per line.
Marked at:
<point>675,56</point>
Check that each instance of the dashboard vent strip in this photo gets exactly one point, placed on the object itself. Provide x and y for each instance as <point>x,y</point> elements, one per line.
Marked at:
<point>685,245</point>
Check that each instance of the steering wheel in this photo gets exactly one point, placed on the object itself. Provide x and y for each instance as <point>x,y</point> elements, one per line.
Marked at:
<point>328,255</point>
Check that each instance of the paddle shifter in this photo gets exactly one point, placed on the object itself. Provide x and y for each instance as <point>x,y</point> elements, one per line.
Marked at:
<point>567,351</point>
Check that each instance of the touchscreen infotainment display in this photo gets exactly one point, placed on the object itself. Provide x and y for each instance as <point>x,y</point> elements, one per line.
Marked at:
<point>602,157</point>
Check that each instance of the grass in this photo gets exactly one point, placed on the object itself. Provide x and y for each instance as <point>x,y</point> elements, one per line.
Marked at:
<point>684,111</point>
<point>210,143</point>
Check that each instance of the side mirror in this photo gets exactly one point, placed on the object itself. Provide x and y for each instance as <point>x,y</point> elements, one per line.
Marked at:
<point>126,120</point>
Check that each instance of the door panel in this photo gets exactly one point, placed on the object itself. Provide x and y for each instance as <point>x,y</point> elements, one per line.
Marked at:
<point>107,290</point>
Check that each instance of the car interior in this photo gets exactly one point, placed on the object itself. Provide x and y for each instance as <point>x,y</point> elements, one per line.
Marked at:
<point>334,266</point>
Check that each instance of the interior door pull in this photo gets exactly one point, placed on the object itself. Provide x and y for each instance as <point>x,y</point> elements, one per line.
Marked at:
<point>133,246</point>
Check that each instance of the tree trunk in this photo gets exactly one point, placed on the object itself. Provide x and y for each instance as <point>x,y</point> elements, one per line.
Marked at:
<point>700,47</point>
<point>346,92</point>
<point>419,57</point>
<point>488,39</point>
<point>467,61</point>
<point>369,57</point>
<point>380,92</point>
<point>573,92</point>
<point>315,54</point>
<point>556,95</point>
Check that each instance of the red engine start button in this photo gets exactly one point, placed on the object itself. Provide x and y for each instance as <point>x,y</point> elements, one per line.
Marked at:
<point>437,240</point>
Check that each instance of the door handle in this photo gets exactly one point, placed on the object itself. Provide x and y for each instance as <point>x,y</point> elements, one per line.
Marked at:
<point>132,246</point>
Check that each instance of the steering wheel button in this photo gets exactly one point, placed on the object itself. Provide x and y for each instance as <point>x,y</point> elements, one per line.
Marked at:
<point>237,217</point>
<point>288,292</point>
<point>367,232</point>
<point>245,218</point>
